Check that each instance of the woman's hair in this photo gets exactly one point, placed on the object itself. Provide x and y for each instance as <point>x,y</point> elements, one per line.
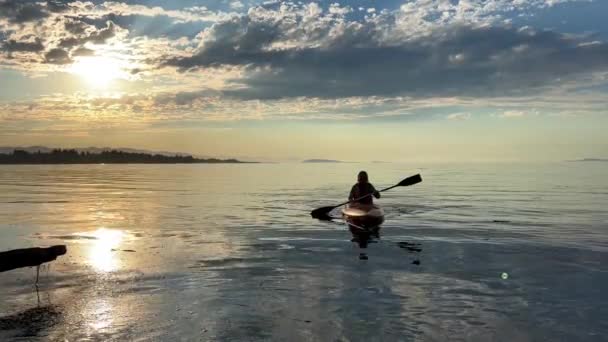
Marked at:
<point>363,175</point>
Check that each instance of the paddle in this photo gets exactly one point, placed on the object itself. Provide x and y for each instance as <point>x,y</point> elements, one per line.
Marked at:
<point>323,212</point>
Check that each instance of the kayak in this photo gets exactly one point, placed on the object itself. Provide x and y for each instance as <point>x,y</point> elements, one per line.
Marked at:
<point>363,216</point>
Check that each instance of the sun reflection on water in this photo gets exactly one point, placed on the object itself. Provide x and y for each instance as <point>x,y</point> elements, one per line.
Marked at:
<point>101,255</point>
<point>100,312</point>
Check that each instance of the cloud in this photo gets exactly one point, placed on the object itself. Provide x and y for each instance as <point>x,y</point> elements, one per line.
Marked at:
<point>75,27</point>
<point>237,5</point>
<point>22,11</point>
<point>29,30</point>
<point>513,114</point>
<point>288,54</point>
<point>88,34</point>
<point>57,56</point>
<point>309,61</point>
<point>82,51</point>
<point>459,116</point>
<point>155,106</point>
<point>101,36</point>
<point>23,46</point>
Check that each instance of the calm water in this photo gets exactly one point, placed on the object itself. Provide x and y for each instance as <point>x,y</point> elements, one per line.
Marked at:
<point>229,252</point>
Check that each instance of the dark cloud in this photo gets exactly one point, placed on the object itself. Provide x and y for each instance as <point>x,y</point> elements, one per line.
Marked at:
<point>57,6</point>
<point>155,26</point>
<point>100,36</point>
<point>75,27</point>
<point>23,46</point>
<point>22,11</point>
<point>299,51</point>
<point>185,98</point>
<point>449,61</point>
<point>82,51</point>
<point>57,56</point>
<point>73,30</point>
<point>71,42</point>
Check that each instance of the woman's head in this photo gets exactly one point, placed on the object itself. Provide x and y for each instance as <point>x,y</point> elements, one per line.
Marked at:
<point>362,177</point>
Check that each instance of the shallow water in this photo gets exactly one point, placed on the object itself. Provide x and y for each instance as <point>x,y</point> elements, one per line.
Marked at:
<point>229,252</point>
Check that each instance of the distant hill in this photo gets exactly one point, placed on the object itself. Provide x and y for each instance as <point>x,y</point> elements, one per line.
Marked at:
<point>322,161</point>
<point>74,156</point>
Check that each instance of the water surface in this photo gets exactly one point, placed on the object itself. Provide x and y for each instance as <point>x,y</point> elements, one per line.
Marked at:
<point>509,252</point>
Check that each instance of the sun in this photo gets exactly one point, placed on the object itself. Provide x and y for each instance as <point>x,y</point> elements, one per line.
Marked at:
<point>98,71</point>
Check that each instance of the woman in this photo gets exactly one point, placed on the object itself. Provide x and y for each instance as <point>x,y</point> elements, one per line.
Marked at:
<point>362,194</point>
<point>361,189</point>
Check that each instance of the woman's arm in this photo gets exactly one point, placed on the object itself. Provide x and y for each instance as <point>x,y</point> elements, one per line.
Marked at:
<point>351,196</point>
<point>376,193</point>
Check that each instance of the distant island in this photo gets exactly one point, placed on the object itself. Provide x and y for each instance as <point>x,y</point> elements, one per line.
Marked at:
<point>91,149</point>
<point>72,156</point>
<point>591,160</point>
<point>321,161</point>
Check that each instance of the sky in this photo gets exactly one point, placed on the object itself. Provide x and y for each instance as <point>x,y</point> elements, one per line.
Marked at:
<point>358,80</point>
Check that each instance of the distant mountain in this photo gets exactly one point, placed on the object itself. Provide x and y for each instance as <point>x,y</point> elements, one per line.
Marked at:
<point>322,161</point>
<point>590,160</point>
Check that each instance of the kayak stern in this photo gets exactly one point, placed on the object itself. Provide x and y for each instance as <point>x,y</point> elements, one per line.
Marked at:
<point>363,216</point>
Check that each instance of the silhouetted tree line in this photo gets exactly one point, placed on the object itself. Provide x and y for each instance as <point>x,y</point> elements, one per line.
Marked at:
<point>60,156</point>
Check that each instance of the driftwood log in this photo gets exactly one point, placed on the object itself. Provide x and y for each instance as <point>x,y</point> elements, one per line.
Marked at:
<point>28,257</point>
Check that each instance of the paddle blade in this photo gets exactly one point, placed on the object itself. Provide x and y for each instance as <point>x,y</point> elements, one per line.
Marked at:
<point>322,213</point>
<point>411,180</point>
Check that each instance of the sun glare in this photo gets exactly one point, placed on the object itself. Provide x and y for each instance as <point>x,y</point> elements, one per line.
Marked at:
<point>101,254</point>
<point>98,71</point>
